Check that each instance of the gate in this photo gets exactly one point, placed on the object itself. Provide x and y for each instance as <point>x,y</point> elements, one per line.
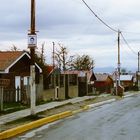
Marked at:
<point>66,86</point>
<point>82,86</point>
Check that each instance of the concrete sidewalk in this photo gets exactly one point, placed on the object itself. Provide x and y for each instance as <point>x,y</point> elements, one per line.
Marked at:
<point>24,113</point>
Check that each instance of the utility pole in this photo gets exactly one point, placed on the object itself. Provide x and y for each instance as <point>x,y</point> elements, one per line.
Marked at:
<point>119,64</point>
<point>138,73</point>
<point>42,53</point>
<point>53,54</point>
<point>32,44</point>
<point>117,73</point>
<point>54,74</point>
<point>139,61</point>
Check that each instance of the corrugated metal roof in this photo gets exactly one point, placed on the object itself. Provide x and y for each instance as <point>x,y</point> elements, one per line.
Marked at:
<point>79,73</point>
<point>126,77</point>
<point>101,77</point>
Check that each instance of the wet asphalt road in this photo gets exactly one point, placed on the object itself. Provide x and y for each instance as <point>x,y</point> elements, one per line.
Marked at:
<point>119,120</point>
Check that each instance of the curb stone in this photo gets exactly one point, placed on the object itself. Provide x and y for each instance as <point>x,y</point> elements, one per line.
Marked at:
<point>129,95</point>
<point>23,128</point>
<point>101,103</point>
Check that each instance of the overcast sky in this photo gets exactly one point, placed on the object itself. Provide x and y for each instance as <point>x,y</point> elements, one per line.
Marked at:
<point>70,23</point>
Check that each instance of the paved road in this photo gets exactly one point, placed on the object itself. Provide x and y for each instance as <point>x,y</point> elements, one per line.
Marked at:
<point>116,121</point>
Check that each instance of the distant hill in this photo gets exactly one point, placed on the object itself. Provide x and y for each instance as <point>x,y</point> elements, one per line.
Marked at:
<point>104,70</point>
<point>111,70</point>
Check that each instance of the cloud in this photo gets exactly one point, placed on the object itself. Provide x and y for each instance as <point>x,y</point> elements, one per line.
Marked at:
<point>71,23</point>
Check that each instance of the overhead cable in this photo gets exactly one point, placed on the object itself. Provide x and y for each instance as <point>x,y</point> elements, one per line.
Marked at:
<point>131,32</point>
<point>109,26</point>
<point>127,44</point>
<point>99,17</point>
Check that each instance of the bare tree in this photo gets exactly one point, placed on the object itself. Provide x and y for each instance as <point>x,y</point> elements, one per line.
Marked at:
<point>42,53</point>
<point>83,62</point>
<point>14,48</point>
<point>61,57</point>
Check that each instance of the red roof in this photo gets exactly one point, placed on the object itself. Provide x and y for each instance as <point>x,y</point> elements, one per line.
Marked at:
<point>8,57</point>
<point>90,74</point>
<point>49,69</point>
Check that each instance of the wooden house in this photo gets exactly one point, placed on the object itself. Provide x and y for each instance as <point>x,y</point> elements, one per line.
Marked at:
<point>67,84</point>
<point>103,83</point>
<point>15,66</point>
<point>127,81</point>
<point>85,80</point>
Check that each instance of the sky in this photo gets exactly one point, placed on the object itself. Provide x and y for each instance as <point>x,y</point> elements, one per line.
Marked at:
<point>71,23</point>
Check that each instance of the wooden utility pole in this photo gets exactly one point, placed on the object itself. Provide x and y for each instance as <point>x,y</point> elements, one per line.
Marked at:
<point>119,64</point>
<point>53,55</point>
<point>42,53</point>
<point>138,73</point>
<point>117,73</point>
<point>32,43</point>
<point>138,61</point>
<point>1,98</point>
<point>54,75</point>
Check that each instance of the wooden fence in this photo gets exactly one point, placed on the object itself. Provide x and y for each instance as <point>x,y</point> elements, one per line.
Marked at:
<point>14,95</point>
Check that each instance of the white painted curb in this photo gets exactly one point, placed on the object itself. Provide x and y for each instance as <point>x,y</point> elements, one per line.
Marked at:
<point>129,95</point>
<point>101,103</point>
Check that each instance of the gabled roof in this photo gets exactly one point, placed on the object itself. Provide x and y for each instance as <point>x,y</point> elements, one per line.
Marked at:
<point>126,77</point>
<point>9,58</point>
<point>102,77</point>
<point>90,74</point>
<point>74,72</point>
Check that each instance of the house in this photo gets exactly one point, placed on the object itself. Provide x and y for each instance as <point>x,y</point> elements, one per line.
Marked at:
<point>103,83</point>
<point>59,85</point>
<point>15,66</point>
<point>53,84</point>
<point>68,84</point>
<point>85,80</point>
<point>127,81</point>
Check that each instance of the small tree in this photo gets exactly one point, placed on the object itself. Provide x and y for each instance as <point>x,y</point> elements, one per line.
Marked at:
<point>14,48</point>
<point>61,57</point>
<point>83,62</point>
<point>123,71</point>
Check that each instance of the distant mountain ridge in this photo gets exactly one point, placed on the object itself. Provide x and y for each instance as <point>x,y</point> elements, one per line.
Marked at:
<point>111,69</point>
<point>104,70</point>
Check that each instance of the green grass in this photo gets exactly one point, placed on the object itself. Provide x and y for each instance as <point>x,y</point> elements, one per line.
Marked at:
<point>25,119</point>
<point>12,107</point>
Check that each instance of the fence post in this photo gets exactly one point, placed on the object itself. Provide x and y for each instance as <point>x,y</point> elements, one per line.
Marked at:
<point>1,98</point>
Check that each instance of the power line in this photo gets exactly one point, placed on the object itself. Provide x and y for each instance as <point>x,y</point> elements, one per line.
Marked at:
<point>110,26</point>
<point>130,32</point>
<point>99,17</point>
<point>128,44</point>
<point>127,51</point>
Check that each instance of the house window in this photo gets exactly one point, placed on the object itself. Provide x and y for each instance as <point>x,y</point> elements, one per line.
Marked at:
<point>73,79</point>
<point>26,80</point>
<point>61,80</point>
